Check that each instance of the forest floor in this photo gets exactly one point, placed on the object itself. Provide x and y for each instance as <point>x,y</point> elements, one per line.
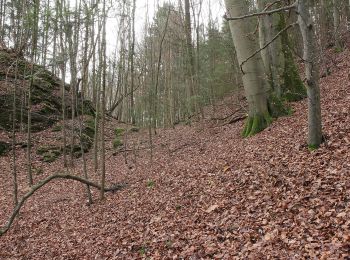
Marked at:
<point>207,194</point>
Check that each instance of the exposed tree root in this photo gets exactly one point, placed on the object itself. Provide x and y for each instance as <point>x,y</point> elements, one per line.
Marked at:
<point>36,187</point>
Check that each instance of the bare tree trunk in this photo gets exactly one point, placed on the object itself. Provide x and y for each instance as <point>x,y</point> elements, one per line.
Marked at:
<point>253,69</point>
<point>336,21</point>
<point>312,74</point>
<point>190,63</point>
<point>14,120</point>
<point>103,109</point>
<point>63,86</point>
<point>132,69</point>
<point>82,148</point>
<point>33,57</point>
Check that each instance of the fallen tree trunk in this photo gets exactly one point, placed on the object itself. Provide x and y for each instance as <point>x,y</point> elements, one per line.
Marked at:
<point>36,187</point>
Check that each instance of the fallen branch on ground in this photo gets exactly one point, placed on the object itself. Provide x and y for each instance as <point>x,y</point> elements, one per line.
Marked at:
<point>43,183</point>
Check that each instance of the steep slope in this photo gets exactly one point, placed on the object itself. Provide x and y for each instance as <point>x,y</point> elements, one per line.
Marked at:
<point>207,193</point>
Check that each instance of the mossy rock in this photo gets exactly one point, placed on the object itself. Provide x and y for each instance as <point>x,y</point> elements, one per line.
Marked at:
<point>46,94</point>
<point>117,143</point>
<point>46,149</point>
<point>57,128</point>
<point>119,131</point>
<point>134,129</point>
<point>76,150</point>
<point>4,148</point>
<point>50,156</point>
<point>89,128</point>
<point>49,153</point>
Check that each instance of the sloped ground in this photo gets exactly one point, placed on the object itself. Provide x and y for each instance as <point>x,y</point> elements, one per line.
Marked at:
<point>208,194</point>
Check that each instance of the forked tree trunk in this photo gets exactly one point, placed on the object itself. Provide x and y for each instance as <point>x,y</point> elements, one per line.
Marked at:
<point>312,74</point>
<point>254,82</point>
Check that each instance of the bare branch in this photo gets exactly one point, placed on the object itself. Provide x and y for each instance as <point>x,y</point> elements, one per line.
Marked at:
<point>43,183</point>
<point>266,45</point>
<point>285,8</point>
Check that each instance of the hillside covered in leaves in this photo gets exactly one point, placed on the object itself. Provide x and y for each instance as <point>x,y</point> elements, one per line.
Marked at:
<point>203,192</point>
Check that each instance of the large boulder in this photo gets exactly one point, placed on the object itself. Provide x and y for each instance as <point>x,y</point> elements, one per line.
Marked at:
<point>46,109</point>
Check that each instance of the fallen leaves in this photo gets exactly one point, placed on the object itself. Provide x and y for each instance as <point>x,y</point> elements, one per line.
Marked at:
<point>212,208</point>
<point>213,195</point>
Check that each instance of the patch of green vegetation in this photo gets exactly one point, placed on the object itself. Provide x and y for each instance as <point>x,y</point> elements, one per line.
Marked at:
<point>312,147</point>
<point>49,153</point>
<point>119,131</point>
<point>278,107</point>
<point>143,250</point>
<point>338,49</point>
<point>44,149</point>
<point>150,184</point>
<point>51,156</point>
<point>256,124</point>
<point>117,143</point>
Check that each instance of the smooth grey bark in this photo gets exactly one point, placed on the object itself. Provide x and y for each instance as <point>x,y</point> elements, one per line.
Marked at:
<point>312,74</point>
<point>254,81</point>
<point>272,55</point>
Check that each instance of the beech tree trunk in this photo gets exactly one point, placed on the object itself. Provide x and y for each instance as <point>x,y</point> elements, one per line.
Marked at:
<point>272,56</point>
<point>336,21</point>
<point>254,81</point>
<point>312,74</point>
<point>191,64</point>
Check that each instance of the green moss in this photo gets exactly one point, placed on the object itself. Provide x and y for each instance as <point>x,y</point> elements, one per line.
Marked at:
<point>256,124</point>
<point>50,156</point>
<point>119,131</point>
<point>45,149</point>
<point>278,107</point>
<point>313,147</point>
<point>150,184</point>
<point>143,251</point>
<point>338,49</point>
<point>89,129</point>
<point>117,143</point>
